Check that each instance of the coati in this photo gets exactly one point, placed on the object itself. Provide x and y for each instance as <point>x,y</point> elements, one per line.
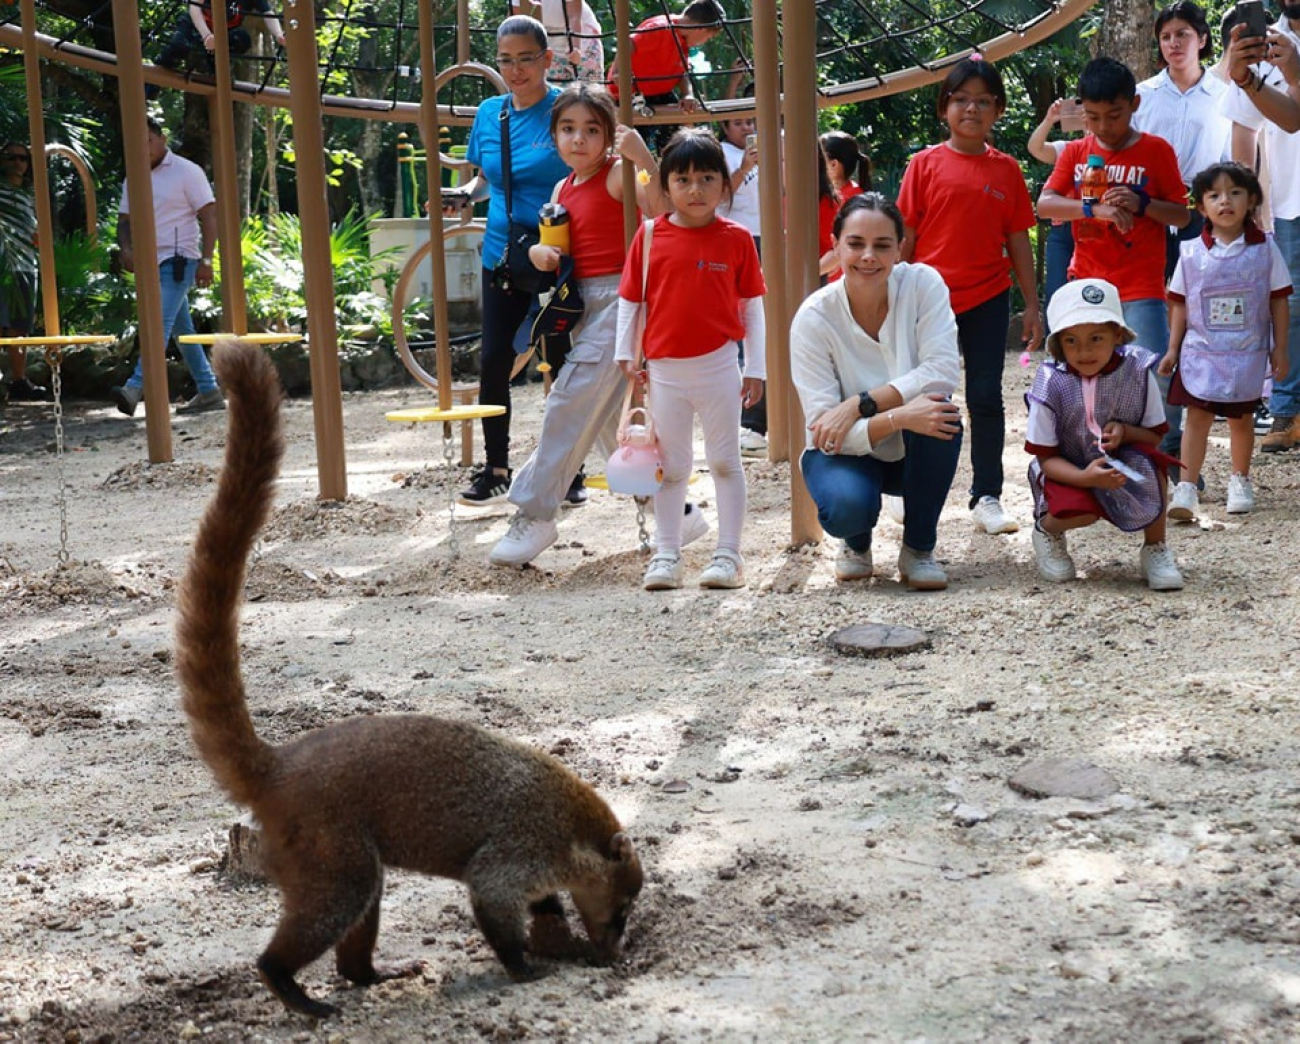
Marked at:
<point>338,804</point>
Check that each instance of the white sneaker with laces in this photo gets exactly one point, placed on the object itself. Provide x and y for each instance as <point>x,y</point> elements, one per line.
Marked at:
<point>852,565</point>
<point>694,524</point>
<point>920,571</point>
<point>1241,495</point>
<point>989,516</point>
<point>893,508</point>
<point>665,572</point>
<point>725,570</point>
<point>524,540</point>
<point>752,444</point>
<point>1052,556</point>
<point>1184,503</point>
<point>1159,568</point>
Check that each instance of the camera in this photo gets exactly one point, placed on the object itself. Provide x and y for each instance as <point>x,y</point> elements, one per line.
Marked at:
<point>178,263</point>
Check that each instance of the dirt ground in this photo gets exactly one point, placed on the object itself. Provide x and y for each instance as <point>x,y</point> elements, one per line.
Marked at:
<point>833,852</point>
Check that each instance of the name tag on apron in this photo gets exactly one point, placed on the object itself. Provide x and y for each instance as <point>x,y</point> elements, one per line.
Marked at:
<point>1226,311</point>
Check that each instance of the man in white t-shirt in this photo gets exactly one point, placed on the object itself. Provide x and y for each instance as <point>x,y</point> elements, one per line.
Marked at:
<point>185,222</point>
<point>1266,95</point>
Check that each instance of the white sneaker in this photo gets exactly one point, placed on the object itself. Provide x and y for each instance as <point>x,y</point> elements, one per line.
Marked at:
<point>1184,503</point>
<point>893,508</point>
<point>1159,568</point>
<point>920,571</point>
<point>1052,556</point>
<point>1241,495</point>
<point>665,572</point>
<point>852,565</point>
<point>752,444</point>
<point>989,516</point>
<point>694,524</point>
<point>725,570</point>
<point>524,540</point>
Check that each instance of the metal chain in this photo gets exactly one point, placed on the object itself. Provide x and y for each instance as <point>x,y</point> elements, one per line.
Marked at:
<point>448,458</point>
<point>55,359</point>
<point>641,531</point>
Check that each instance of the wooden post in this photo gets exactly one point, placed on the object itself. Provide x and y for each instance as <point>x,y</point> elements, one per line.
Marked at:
<point>433,172</point>
<point>221,117</point>
<point>767,96</point>
<point>144,234</point>
<point>799,19</point>
<point>314,220</point>
<point>39,169</point>
<point>623,43</point>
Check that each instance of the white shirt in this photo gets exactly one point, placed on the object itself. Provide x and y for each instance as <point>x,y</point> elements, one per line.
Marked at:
<point>832,357</point>
<point>1283,149</point>
<point>744,201</point>
<point>1191,121</point>
<point>180,191</point>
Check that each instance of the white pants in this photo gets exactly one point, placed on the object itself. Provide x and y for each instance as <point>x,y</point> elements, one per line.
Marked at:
<point>708,385</point>
<point>582,407</point>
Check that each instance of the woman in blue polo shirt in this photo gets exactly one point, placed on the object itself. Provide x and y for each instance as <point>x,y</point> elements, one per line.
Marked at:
<point>523,58</point>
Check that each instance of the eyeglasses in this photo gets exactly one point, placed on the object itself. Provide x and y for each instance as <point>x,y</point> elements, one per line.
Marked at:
<point>524,61</point>
<point>983,102</point>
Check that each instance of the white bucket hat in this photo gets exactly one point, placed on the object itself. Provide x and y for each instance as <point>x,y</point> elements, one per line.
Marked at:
<point>1086,301</point>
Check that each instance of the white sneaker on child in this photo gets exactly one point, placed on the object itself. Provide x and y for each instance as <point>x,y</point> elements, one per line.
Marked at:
<point>726,570</point>
<point>989,516</point>
<point>665,572</point>
<point>694,524</point>
<point>524,540</point>
<point>853,565</point>
<point>893,508</point>
<point>752,443</point>
<point>1159,568</point>
<point>1241,495</point>
<point>1052,556</point>
<point>1184,503</point>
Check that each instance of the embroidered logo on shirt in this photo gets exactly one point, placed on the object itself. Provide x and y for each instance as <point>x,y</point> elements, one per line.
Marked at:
<point>712,266</point>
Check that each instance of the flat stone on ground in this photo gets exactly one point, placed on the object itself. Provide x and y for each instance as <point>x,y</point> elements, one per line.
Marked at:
<point>1063,777</point>
<point>878,639</point>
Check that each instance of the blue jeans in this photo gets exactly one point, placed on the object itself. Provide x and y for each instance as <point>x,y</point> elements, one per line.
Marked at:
<point>177,320</point>
<point>1285,400</point>
<point>1056,260</point>
<point>1149,319</point>
<point>982,338</point>
<point>847,489</point>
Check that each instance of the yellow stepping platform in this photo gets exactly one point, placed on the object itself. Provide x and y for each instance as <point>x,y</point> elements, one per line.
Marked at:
<point>249,338</point>
<point>431,414</point>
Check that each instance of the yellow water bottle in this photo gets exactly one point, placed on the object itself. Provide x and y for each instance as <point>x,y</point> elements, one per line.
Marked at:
<point>553,227</point>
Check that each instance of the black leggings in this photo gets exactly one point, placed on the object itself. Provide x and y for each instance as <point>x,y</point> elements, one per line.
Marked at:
<point>503,312</point>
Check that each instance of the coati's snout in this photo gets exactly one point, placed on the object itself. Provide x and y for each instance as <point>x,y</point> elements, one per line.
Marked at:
<point>605,907</point>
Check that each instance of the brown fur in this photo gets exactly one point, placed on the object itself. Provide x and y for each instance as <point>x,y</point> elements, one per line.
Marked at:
<point>338,804</point>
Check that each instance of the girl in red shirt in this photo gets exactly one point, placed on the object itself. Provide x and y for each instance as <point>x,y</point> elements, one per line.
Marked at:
<point>968,214</point>
<point>703,293</point>
<point>585,396</point>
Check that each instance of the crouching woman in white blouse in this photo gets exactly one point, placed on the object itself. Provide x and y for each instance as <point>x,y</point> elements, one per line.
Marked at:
<point>874,359</point>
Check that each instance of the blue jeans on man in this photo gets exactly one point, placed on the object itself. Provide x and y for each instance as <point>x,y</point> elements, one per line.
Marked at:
<point>847,489</point>
<point>177,319</point>
<point>1285,400</point>
<point>1149,319</point>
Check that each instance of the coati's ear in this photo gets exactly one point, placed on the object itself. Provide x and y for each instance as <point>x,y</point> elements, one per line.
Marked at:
<point>621,849</point>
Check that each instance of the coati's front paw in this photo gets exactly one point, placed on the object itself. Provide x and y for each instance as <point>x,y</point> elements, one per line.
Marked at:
<point>524,971</point>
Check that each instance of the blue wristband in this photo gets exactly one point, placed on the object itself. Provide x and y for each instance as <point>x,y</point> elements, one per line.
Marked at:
<point>1087,208</point>
<point>1144,200</point>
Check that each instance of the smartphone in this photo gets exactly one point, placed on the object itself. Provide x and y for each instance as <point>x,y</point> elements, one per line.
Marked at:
<point>1071,116</point>
<point>750,141</point>
<point>1252,15</point>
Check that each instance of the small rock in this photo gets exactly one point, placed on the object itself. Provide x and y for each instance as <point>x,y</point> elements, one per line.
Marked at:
<point>968,815</point>
<point>1063,777</point>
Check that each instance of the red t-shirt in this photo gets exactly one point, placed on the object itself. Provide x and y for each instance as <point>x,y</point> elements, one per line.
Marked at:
<point>826,211</point>
<point>1134,262</point>
<point>963,209</point>
<point>658,58</point>
<point>698,278</point>
<point>595,225</point>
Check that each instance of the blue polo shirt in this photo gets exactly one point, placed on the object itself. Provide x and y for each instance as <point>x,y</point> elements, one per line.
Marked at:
<point>535,166</point>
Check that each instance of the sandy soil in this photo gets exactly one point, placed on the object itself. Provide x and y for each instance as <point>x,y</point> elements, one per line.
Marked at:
<point>833,850</point>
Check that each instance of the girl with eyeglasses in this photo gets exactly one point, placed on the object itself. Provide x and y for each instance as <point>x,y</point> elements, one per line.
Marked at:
<point>968,214</point>
<point>535,166</point>
<point>18,286</point>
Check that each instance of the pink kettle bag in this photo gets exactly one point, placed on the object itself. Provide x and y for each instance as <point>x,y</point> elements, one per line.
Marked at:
<point>636,468</point>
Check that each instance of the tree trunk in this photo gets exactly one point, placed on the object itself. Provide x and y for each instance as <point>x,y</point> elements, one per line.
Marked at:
<point>1128,34</point>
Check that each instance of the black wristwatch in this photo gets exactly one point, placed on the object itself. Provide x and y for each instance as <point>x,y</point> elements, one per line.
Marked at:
<point>867,406</point>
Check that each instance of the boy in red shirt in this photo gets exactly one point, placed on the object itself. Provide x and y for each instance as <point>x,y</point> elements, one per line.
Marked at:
<point>659,62</point>
<point>1122,237</point>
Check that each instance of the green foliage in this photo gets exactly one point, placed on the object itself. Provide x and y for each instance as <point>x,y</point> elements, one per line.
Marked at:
<point>91,299</point>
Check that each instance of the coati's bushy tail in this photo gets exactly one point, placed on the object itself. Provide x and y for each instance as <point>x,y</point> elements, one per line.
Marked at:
<point>207,628</point>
